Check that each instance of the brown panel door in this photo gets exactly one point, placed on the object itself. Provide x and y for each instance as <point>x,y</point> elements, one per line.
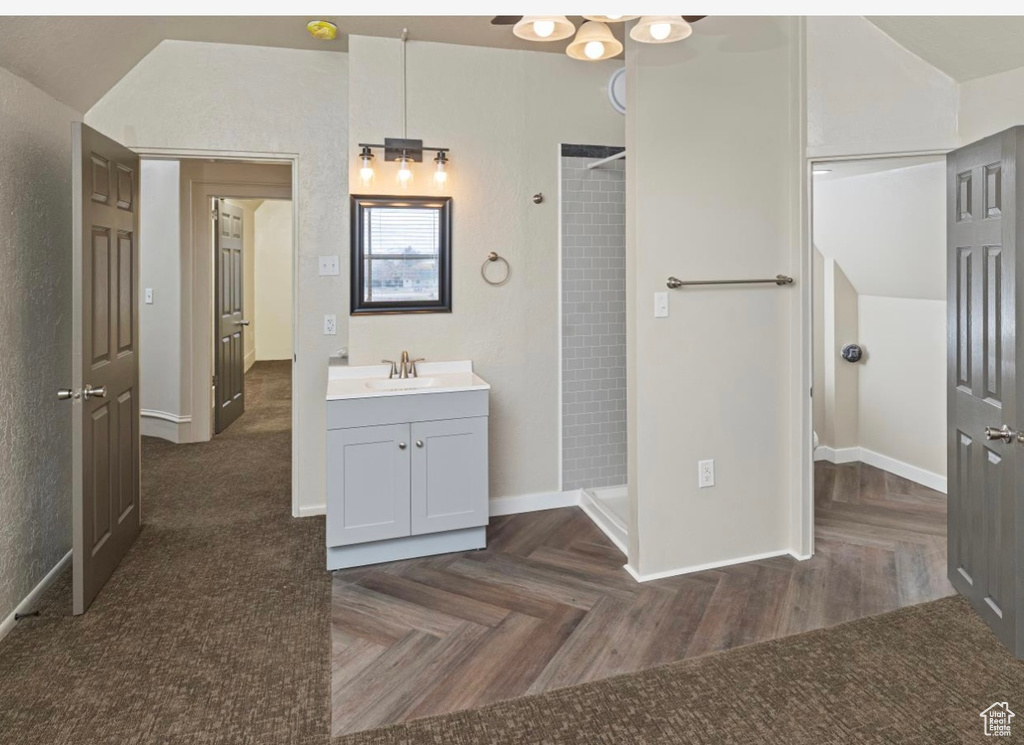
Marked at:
<point>229,388</point>
<point>105,369</point>
<point>984,451</point>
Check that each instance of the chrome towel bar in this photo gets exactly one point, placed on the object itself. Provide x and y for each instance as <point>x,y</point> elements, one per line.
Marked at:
<point>779,279</point>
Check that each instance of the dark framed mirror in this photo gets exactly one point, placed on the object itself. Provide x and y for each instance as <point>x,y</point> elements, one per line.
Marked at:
<point>401,254</point>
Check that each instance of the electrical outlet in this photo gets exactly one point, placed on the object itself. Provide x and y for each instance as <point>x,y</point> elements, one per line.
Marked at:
<point>705,473</point>
<point>329,266</point>
<point>149,296</point>
<point>330,325</point>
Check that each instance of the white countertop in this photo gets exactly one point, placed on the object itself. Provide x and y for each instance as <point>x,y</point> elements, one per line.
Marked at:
<point>346,381</point>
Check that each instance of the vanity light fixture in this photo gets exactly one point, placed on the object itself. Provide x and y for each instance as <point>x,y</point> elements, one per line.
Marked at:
<point>441,174</point>
<point>594,41</point>
<point>544,28</point>
<point>366,166</point>
<point>404,173</point>
<point>660,29</point>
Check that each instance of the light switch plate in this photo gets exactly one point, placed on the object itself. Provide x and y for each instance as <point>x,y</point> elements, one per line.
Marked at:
<point>661,305</point>
<point>330,325</point>
<point>329,266</point>
<point>149,296</point>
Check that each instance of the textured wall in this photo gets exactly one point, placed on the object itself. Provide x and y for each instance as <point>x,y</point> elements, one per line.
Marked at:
<point>35,336</point>
<point>593,324</point>
<point>256,99</point>
<point>504,120</point>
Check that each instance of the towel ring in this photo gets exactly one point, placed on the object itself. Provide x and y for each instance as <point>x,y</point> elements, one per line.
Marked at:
<point>491,258</point>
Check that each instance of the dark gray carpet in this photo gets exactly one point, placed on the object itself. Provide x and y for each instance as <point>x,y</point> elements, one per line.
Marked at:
<point>216,626</point>
<point>216,629</point>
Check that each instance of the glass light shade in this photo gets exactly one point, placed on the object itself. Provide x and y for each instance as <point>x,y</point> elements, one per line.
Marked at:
<point>441,174</point>
<point>660,29</point>
<point>594,41</point>
<point>366,169</point>
<point>610,19</point>
<point>404,173</point>
<point>544,28</point>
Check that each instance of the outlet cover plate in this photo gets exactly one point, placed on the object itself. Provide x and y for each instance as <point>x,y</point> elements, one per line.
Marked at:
<point>705,473</point>
<point>330,325</point>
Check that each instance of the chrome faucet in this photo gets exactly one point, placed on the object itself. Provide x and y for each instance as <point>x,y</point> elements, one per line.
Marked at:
<point>407,367</point>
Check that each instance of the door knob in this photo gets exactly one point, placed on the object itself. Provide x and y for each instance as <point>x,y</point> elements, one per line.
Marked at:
<point>242,323</point>
<point>402,446</point>
<point>65,394</point>
<point>419,443</point>
<point>1003,433</point>
<point>89,392</point>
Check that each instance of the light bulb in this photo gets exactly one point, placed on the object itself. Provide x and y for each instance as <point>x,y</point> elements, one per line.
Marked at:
<point>404,174</point>
<point>660,31</point>
<point>543,29</point>
<point>594,49</point>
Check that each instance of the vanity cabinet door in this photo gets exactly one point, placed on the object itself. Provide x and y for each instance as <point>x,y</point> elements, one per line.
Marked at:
<point>367,484</point>
<point>449,475</point>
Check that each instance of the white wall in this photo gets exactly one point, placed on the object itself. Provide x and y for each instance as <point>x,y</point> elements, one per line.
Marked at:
<point>503,114</point>
<point>200,96</point>
<point>886,231</point>
<point>35,336</point>
<point>272,291</point>
<point>160,322</point>
<point>903,380</point>
<point>991,104</point>
<point>868,94</point>
<point>715,152</point>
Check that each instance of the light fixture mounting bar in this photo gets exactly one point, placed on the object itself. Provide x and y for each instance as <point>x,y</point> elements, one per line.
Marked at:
<point>396,148</point>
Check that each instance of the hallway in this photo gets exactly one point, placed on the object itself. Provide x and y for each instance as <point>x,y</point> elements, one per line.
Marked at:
<point>215,626</point>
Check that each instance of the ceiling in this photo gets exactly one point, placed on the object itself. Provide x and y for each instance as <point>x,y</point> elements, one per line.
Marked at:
<point>840,169</point>
<point>77,60</point>
<point>963,47</point>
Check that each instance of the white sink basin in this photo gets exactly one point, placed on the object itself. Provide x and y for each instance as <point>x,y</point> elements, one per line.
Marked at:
<point>398,384</point>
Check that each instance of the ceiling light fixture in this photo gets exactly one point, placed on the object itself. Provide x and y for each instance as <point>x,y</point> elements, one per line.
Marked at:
<point>544,28</point>
<point>322,30</point>
<point>610,19</point>
<point>594,41</point>
<point>660,29</point>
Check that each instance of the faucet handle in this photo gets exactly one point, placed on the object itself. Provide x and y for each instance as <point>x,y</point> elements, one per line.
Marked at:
<point>394,367</point>
<point>412,366</point>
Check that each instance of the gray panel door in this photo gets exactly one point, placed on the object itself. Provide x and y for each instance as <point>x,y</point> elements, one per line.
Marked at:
<point>449,475</point>
<point>229,389</point>
<point>367,484</point>
<point>106,445</point>
<point>982,278</point>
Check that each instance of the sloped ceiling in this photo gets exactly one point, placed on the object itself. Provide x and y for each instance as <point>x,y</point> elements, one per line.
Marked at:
<point>77,60</point>
<point>963,47</point>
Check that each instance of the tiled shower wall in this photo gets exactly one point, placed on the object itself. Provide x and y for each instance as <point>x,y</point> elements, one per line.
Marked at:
<point>593,319</point>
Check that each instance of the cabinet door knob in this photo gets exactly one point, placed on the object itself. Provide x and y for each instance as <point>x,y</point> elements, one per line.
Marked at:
<point>419,443</point>
<point>402,446</point>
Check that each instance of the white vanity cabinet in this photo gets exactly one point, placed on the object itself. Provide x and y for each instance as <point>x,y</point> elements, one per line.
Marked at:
<point>407,475</point>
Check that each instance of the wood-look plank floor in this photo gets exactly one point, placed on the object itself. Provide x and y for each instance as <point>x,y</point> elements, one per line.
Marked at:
<point>548,604</point>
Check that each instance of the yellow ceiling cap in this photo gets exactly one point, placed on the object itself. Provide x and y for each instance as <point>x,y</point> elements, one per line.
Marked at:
<point>323,30</point>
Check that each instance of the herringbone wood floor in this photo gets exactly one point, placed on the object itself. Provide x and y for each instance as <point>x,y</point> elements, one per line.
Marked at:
<point>548,603</point>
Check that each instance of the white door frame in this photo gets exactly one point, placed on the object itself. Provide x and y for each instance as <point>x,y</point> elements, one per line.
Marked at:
<point>282,158</point>
<point>807,302</point>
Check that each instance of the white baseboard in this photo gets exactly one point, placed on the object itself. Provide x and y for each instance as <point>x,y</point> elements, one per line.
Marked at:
<point>606,520</point>
<point>311,510</point>
<point>33,597</point>
<point>704,567</point>
<point>250,360</point>
<point>534,502</point>
<point>897,467</point>
<point>171,427</point>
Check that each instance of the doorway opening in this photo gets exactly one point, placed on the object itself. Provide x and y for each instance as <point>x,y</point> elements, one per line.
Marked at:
<point>879,386</point>
<point>217,269</point>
